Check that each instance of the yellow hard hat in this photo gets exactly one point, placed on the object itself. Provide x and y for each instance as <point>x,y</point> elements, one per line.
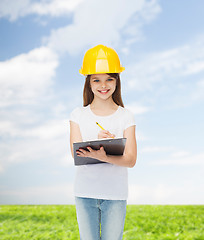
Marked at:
<point>101,59</point>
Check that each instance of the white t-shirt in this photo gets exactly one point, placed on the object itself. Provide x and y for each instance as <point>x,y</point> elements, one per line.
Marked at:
<point>103,180</point>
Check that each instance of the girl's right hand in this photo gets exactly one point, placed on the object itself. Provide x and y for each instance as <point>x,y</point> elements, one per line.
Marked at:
<point>105,134</point>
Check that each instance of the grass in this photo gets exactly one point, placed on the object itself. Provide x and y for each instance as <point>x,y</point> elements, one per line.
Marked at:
<point>164,223</point>
<point>143,222</point>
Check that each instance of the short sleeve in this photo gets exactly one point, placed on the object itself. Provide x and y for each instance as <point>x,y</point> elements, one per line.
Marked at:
<point>75,115</point>
<point>129,119</point>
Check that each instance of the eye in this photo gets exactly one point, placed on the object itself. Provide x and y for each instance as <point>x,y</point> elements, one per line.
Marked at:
<point>95,80</point>
<point>110,79</point>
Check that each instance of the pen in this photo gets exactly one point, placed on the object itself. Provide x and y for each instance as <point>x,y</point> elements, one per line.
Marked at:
<point>101,127</point>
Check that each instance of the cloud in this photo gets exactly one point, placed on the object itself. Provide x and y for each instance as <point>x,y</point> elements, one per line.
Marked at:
<point>197,93</point>
<point>180,154</point>
<point>181,158</point>
<point>21,8</point>
<point>13,9</point>
<point>1,169</point>
<point>140,136</point>
<point>155,149</point>
<point>137,108</point>
<point>94,23</point>
<point>26,77</point>
<point>118,25</point>
<point>46,142</point>
<point>167,68</point>
<point>164,194</point>
<point>51,129</point>
<point>141,194</point>
<point>55,7</point>
<point>175,157</point>
<point>56,194</point>
<point>138,194</point>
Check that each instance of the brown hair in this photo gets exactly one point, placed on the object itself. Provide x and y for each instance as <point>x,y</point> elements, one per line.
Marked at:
<point>88,95</point>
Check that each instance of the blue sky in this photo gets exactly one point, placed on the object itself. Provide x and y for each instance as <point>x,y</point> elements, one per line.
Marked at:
<point>161,45</point>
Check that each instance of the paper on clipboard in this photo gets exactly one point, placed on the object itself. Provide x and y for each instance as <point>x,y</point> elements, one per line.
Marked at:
<point>111,146</point>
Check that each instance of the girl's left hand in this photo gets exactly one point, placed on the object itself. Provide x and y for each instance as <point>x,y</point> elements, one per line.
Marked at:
<point>97,154</point>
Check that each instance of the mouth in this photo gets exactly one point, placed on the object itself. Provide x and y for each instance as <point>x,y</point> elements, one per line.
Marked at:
<point>104,91</point>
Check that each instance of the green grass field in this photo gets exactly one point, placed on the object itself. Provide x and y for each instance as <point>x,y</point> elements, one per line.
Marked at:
<point>143,222</point>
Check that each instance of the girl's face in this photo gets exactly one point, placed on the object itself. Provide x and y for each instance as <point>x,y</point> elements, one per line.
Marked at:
<point>102,85</point>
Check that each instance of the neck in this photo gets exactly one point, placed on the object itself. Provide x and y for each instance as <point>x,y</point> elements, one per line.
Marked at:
<point>103,104</point>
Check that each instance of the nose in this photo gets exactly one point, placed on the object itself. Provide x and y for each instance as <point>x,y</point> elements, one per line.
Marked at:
<point>103,85</point>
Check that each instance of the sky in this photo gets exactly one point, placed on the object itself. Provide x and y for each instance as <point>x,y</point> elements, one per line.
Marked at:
<point>161,46</point>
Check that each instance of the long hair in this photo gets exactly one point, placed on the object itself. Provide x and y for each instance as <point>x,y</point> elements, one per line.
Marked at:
<point>88,95</point>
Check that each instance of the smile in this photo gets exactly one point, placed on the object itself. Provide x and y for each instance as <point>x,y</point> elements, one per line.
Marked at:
<point>104,91</point>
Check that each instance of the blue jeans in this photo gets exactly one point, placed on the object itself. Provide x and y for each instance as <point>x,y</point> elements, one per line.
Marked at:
<point>93,213</point>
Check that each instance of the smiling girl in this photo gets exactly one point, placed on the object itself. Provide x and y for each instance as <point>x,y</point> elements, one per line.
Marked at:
<point>101,190</point>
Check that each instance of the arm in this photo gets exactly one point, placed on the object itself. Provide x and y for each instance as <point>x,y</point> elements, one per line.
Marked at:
<point>128,159</point>
<point>75,135</point>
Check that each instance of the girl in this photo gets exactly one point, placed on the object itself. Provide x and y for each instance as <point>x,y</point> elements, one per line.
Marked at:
<point>101,190</point>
